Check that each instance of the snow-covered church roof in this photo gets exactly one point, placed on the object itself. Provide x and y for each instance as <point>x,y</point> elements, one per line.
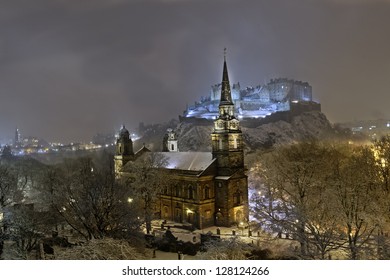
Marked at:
<point>193,161</point>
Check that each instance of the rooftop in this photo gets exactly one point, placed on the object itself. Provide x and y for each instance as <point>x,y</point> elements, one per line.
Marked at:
<point>194,161</point>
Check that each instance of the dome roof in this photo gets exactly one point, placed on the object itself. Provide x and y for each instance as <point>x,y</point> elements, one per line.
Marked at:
<point>124,132</point>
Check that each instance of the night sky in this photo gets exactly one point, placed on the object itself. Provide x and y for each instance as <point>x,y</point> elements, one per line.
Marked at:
<point>72,68</point>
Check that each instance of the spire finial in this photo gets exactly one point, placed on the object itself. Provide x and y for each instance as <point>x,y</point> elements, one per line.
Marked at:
<point>224,54</point>
<point>226,96</point>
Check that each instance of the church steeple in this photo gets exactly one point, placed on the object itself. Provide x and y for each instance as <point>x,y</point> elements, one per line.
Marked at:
<point>231,182</point>
<point>226,105</point>
<point>226,94</point>
<point>227,144</point>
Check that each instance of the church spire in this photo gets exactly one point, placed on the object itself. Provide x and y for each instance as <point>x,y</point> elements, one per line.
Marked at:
<point>226,95</point>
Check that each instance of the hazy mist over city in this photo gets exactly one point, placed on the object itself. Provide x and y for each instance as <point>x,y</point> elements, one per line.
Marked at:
<point>69,69</point>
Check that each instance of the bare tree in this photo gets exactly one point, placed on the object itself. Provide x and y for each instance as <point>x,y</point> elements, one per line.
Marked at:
<point>27,228</point>
<point>89,199</point>
<point>381,150</point>
<point>225,249</point>
<point>355,185</point>
<point>8,185</point>
<point>146,179</point>
<point>102,249</point>
<point>293,196</point>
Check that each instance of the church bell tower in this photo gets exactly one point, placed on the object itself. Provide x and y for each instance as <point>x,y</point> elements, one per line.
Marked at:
<point>227,146</point>
<point>123,150</point>
<point>231,189</point>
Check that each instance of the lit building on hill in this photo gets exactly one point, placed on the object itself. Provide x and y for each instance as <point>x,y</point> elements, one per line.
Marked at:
<point>279,95</point>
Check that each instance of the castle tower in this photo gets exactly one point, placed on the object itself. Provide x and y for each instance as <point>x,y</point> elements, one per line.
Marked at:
<point>231,190</point>
<point>123,150</point>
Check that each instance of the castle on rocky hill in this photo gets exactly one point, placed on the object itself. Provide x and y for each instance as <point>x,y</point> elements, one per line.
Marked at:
<point>279,95</point>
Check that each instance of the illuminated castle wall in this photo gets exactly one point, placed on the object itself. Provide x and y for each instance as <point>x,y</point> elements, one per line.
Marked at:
<point>256,102</point>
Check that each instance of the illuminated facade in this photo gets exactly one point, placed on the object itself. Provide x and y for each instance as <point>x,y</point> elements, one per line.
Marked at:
<point>255,102</point>
<point>205,189</point>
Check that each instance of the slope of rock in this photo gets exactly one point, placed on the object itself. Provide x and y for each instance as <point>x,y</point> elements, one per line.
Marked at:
<point>194,136</point>
<point>309,125</point>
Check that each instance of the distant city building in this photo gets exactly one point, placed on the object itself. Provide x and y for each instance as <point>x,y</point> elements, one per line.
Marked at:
<point>17,139</point>
<point>257,102</point>
<point>205,189</point>
<point>372,128</point>
<point>104,139</point>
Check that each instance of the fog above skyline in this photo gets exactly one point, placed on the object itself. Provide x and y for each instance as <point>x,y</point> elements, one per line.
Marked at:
<point>72,68</point>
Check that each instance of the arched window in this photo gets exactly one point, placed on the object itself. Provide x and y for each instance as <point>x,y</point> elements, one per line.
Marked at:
<point>206,192</point>
<point>237,198</point>
<point>177,191</point>
<point>166,212</point>
<point>190,192</point>
<point>239,217</point>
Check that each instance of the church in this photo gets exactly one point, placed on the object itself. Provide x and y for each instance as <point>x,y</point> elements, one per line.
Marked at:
<point>205,189</point>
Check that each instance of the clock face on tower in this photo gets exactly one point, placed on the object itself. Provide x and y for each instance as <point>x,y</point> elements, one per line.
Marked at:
<point>220,124</point>
<point>235,161</point>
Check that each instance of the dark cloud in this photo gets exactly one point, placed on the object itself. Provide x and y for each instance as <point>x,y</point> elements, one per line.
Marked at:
<point>69,69</point>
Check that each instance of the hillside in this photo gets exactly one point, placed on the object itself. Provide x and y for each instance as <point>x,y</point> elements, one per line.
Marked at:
<point>308,125</point>
<point>196,136</point>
